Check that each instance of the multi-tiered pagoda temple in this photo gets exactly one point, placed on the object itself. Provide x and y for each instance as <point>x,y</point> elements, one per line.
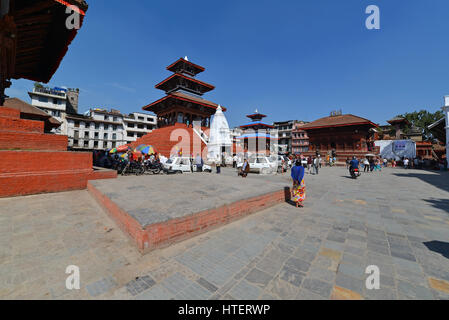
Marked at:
<point>184,108</point>
<point>183,102</point>
<point>256,135</point>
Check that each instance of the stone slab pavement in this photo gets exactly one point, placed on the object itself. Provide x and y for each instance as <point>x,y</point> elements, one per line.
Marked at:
<point>397,220</point>
<point>157,198</point>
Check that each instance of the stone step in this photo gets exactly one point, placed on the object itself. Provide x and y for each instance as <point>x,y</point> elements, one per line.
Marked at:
<point>33,172</point>
<point>22,184</point>
<point>41,161</point>
<point>11,140</point>
<point>10,113</point>
<point>21,125</point>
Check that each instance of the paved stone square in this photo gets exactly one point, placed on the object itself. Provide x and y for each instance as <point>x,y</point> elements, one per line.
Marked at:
<point>158,198</point>
<point>397,220</point>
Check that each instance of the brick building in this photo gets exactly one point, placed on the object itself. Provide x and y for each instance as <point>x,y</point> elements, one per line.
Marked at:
<point>340,135</point>
<point>300,139</point>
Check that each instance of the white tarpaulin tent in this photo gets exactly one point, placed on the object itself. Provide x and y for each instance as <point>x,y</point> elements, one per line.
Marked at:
<point>397,149</point>
<point>219,136</point>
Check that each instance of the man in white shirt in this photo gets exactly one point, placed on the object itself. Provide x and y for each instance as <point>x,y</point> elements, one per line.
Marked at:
<point>406,162</point>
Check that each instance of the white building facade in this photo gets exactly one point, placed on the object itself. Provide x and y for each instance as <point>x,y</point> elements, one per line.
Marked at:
<point>137,125</point>
<point>57,102</point>
<point>97,129</point>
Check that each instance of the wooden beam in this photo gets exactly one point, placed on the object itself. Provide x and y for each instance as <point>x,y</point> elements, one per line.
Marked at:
<point>36,7</point>
<point>44,18</point>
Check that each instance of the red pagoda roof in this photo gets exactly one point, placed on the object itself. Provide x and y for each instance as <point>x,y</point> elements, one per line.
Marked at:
<point>50,36</point>
<point>183,97</point>
<point>256,124</point>
<point>165,85</point>
<point>256,115</point>
<point>179,63</point>
<point>338,121</point>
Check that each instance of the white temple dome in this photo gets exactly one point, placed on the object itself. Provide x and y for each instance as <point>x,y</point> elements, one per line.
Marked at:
<point>219,135</point>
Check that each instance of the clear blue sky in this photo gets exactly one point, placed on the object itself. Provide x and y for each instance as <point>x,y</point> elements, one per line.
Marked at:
<point>291,59</point>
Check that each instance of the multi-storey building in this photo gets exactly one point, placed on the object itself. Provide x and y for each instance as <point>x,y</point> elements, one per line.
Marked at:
<point>300,139</point>
<point>284,130</point>
<point>137,125</point>
<point>57,102</point>
<point>97,129</point>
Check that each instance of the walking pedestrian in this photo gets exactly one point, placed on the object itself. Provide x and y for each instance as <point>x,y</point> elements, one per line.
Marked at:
<point>299,186</point>
<point>309,164</point>
<point>316,165</point>
<point>199,163</point>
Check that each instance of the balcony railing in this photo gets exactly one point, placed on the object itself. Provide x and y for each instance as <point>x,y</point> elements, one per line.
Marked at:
<point>50,91</point>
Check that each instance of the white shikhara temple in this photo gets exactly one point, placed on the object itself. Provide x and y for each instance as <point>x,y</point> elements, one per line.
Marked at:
<point>219,136</point>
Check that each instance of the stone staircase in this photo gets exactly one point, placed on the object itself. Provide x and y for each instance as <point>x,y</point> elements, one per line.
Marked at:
<point>34,162</point>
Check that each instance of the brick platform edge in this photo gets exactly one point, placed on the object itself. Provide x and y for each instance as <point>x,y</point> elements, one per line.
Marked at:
<point>101,173</point>
<point>160,235</point>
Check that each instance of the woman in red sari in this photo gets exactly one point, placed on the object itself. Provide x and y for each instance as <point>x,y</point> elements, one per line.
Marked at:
<point>299,186</point>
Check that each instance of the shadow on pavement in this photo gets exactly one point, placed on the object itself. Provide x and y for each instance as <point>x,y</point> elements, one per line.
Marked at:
<point>438,247</point>
<point>442,204</point>
<point>436,178</point>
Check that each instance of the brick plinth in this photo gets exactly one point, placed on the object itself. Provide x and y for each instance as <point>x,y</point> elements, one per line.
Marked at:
<point>167,138</point>
<point>100,173</point>
<point>39,161</point>
<point>33,172</point>
<point>8,112</point>
<point>21,125</point>
<point>160,235</point>
<point>10,140</point>
<point>17,184</point>
<point>34,162</point>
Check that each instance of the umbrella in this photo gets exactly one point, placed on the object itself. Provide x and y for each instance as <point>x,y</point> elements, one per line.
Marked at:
<point>114,150</point>
<point>123,148</point>
<point>142,146</point>
<point>146,149</point>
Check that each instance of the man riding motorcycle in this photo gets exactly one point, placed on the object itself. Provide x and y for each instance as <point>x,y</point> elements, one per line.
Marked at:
<point>354,167</point>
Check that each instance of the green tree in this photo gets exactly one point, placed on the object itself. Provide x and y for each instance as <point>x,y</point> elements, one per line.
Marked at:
<point>38,85</point>
<point>421,120</point>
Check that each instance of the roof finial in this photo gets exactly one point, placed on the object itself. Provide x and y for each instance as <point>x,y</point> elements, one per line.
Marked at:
<point>257,111</point>
<point>186,58</point>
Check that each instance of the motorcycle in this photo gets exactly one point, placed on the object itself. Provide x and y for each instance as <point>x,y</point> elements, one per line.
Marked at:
<point>155,167</point>
<point>355,173</point>
<point>133,168</point>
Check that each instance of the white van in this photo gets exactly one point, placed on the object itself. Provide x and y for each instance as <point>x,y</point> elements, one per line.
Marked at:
<point>181,165</point>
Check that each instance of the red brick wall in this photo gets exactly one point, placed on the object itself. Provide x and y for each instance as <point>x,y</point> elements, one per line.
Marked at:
<point>20,125</point>
<point>8,112</point>
<point>38,161</point>
<point>10,140</point>
<point>12,185</point>
<point>102,174</point>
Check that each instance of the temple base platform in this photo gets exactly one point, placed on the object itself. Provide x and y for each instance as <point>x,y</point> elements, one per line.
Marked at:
<point>158,210</point>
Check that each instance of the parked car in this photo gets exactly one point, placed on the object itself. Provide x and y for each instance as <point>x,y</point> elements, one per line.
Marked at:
<point>181,165</point>
<point>261,164</point>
